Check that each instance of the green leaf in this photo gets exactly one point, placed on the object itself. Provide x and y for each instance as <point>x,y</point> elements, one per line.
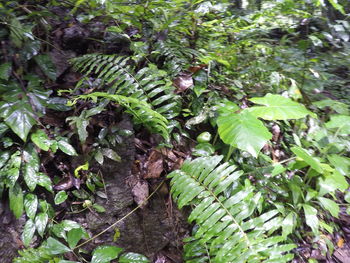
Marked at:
<point>5,70</point>
<point>60,197</point>
<point>55,247</point>
<point>133,258</point>
<point>44,181</point>
<point>31,205</point>
<point>99,157</point>
<point>311,218</point>
<point>28,232</point>
<point>16,200</point>
<point>331,182</point>
<point>18,116</point>
<point>31,166</point>
<point>40,223</point>
<point>288,224</point>
<point>243,131</point>
<point>340,123</point>
<point>337,106</point>
<point>99,208</point>
<point>66,148</point>
<point>340,163</point>
<point>330,205</point>
<point>74,235</point>
<point>278,107</point>
<point>303,154</point>
<point>40,138</point>
<point>111,154</point>
<point>104,254</point>
<point>46,65</point>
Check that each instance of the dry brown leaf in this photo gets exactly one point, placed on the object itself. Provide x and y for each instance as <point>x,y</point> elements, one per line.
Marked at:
<point>183,82</point>
<point>140,191</point>
<point>154,165</point>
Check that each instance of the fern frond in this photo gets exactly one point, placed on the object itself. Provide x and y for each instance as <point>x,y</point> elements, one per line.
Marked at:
<point>225,212</point>
<point>148,84</point>
<point>140,110</point>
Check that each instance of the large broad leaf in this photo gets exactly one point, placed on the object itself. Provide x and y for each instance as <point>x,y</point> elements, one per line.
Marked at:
<point>277,107</point>
<point>330,205</point>
<point>55,247</point>
<point>340,123</point>
<point>18,116</point>
<point>105,254</point>
<point>41,222</point>
<point>331,182</point>
<point>46,65</point>
<point>243,131</point>
<point>41,140</point>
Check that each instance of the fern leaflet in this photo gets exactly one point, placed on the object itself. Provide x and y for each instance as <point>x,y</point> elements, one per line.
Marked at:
<point>225,210</point>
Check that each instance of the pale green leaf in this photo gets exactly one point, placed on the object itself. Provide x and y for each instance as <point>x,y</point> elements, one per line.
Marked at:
<point>243,131</point>
<point>330,205</point>
<point>340,124</point>
<point>41,140</point>
<point>28,232</point>
<point>303,154</point>
<point>55,247</point>
<point>66,148</point>
<point>40,223</point>
<point>60,197</point>
<point>311,218</point>
<point>31,205</point>
<point>133,258</point>
<point>277,107</point>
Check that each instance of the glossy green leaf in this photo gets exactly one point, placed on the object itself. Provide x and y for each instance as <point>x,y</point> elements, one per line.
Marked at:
<point>104,254</point>
<point>18,116</point>
<point>66,148</point>
<point>243,131</point>
<point>31,205</point>
<point>31,166</point>
<point>55,247</point>
<point>311,218</point>
<point>340,124</point>
<point>40,138</point>
<point>303,154</point>
<point>99,157</point>
<point>277,107</point>
<point>73,236</point>
<point>40,223</point>
<point>5,70</point>
<point>44,181</point>
<point>28,232</point>
<point>133,258</point>
<point>330,205</point>
<point>111,154</point>
<point>16,200</point>
<point>60,197</point>
<point>46,65</point>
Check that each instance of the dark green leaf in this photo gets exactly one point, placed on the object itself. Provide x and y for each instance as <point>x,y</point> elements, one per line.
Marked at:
<point>16,200</point>
<point>111,154</point>
<point>46,65</point>
<point>5,70</point>
<point>73,236</point>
